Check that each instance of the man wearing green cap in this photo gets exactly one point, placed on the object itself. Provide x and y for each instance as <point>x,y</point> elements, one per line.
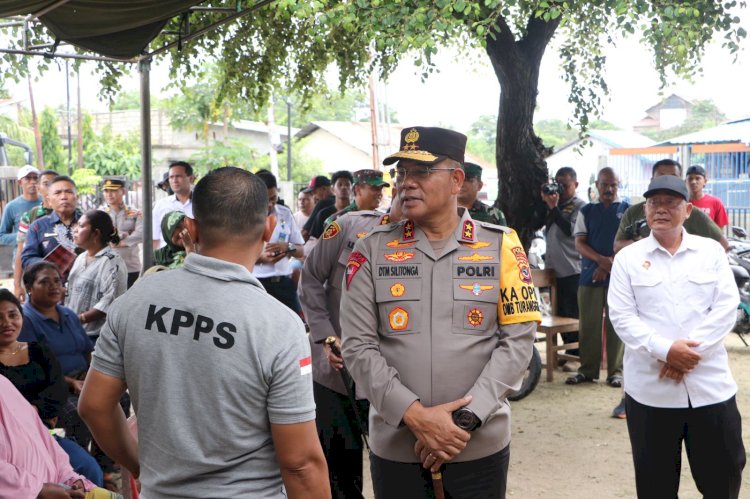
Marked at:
<point>468,197</point>
<point>368,192</point>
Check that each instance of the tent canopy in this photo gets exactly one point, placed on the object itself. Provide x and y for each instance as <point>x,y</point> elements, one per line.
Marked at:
<point>115,28</point>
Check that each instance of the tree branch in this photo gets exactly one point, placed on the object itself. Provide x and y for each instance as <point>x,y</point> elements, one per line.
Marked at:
<point>538,35</point>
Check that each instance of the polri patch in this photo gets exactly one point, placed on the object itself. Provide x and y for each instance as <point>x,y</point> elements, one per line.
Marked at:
<point>356,259</point>
<point>332,230</point>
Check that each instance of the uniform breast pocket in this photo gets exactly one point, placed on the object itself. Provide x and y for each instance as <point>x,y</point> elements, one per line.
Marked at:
<point>399,306</point>
<point>701,286</point>
<point>475,307</point>
<point>647,289</point>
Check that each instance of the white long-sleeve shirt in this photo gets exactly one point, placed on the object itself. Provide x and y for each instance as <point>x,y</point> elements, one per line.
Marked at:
<point>656,298</point>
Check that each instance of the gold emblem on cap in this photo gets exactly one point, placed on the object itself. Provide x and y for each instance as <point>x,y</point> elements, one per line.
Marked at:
<point>410,139</point>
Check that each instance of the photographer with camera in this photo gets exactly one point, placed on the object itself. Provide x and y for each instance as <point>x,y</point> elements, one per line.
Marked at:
<point>562,256</point>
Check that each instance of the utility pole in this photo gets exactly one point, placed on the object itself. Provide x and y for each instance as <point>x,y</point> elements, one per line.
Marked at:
<point>289,139</point>
<point>70,138</point>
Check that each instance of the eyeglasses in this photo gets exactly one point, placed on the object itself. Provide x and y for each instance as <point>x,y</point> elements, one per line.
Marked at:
<point>669,203</point>
<point>418,173</point>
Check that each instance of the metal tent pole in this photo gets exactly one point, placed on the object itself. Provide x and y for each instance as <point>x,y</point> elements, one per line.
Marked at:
<point>144,67</point>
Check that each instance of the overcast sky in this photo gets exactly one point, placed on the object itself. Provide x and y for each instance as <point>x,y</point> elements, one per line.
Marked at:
<point>464,90</point>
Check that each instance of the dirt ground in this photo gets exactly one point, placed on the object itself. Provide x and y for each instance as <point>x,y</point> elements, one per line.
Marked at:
<point>566,445</point>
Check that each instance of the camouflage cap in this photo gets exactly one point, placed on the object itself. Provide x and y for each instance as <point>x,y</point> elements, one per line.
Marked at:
<point>371,177</point>
<point>473,170</point>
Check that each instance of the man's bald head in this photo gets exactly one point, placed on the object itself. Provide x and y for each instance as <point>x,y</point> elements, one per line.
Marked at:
<point>230,203</point>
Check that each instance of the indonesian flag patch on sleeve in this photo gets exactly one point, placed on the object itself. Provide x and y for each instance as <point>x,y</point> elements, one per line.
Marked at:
<point>305,365</point>
<point>517,296</point>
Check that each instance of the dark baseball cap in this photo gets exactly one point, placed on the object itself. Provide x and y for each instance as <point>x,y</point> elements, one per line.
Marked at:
<point>429,145</point>
<point>696,170</point>
<point>668,183</point>
<point>318,181</point>
<point>472,170</point>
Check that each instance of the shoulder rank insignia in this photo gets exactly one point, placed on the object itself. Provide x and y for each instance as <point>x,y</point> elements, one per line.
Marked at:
<point>408,231</point>
<point>467,234</point>
<point>399,256</point>
<point>332,230</point>
<point>396,244</point>
<point>477,245</point>
<point>476,288</point>
<point>385,219</point>
<point>475,257</point>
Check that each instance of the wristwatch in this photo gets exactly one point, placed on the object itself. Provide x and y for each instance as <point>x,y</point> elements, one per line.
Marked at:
<point>466,419</point>
<point>291,248</point>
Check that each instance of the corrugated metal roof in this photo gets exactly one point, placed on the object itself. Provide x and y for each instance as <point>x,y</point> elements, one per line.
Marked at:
<point>733,131</point>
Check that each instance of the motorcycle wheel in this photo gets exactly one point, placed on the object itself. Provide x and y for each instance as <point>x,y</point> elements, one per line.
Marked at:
<point>530,378</point>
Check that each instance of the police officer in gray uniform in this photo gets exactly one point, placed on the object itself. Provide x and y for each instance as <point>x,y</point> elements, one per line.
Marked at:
<point>129,225</point>
<point>336,418</point>
<point>437,330</point>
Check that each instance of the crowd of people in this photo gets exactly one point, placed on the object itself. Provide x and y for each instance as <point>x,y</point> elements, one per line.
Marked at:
<point>268,349</point>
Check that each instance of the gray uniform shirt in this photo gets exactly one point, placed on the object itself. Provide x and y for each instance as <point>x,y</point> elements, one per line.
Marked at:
<point>417,326</point>
<point>211,360</point>
<point>562,255</point>
<point>321,294</point>
<point>129,224</point>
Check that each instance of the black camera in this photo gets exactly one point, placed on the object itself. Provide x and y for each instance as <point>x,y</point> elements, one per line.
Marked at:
<point>637,230</point>
<point>552,188</point>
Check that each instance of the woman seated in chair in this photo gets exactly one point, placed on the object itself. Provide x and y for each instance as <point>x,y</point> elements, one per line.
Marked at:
<point>35,372</point>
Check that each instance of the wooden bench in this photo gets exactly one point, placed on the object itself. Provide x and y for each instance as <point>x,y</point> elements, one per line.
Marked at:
<point>552,325</point>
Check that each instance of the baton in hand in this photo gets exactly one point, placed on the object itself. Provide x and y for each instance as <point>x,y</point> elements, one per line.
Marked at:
<point>349,385</point>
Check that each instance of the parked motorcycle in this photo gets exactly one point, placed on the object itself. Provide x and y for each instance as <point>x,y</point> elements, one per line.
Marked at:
<point>739,261</point>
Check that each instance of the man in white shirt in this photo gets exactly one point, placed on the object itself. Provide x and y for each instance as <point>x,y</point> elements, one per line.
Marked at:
<point>274,266</point>
<point>181,180</point>
<point>672,300</point>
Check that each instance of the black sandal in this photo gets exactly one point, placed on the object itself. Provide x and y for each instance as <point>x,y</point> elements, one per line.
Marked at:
<point>577,379</point>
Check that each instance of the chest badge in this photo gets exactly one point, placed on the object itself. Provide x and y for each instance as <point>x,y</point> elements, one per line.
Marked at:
<point>476,257</point>
<point>477,245</point>
<point>360,235</point>
<point>396,244</point>
<point>646,265</point>
<point>399,256</point>
<point>476,288</point>
<point>398,290</point>
<point>475,317</point>
<point>398,318</point>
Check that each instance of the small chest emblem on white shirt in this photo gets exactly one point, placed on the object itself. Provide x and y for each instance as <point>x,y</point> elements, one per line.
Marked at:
<point>646,264</point>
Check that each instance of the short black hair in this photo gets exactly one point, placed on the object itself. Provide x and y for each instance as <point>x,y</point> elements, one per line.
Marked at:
<point>63,178</point>
<point>230,202</point>
<point>268,178</point>
<point>101,221</point>
<point>567,171</point>
<point>184,164</point>
<point>6,295</point>
<point>342,174</point>
<point>29,276</point>
<point>666,162</point>
<point>48,172</point>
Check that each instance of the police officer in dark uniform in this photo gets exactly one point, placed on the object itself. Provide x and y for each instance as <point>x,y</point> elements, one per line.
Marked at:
<point>468,197</point>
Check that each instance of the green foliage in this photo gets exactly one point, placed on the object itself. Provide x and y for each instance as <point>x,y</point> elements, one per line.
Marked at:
<point>110,154</point>
<point>20,133</point>
<point>130,100</point>
<point>86,180</point>
<point>233,153</point>
<point>52,147</point>
<point>704,114</point>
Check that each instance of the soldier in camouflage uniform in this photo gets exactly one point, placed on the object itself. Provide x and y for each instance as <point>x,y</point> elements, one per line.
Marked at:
<point>368,191</point>
<point>468,197</point>
<point>23,227</point>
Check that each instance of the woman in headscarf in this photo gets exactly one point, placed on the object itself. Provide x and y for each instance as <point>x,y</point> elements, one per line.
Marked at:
<point>178,240</point>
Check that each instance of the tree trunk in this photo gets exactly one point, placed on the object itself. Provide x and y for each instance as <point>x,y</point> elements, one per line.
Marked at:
<point>520,153</point>
<point>35,126</point>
